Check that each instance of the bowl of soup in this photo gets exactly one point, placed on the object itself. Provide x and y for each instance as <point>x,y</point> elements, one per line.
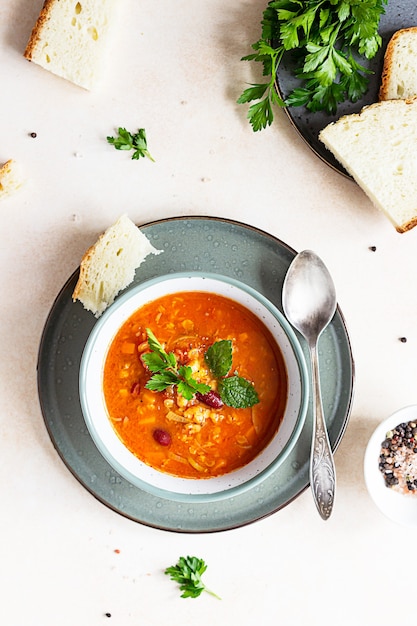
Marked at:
<point>193,386</point>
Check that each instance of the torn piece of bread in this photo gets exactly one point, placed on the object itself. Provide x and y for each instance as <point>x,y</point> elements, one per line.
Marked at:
<point>378,147</point>
<point>69,37</point>
<point>109,265</point>
<point>10,178</point>
<point>399,72</point>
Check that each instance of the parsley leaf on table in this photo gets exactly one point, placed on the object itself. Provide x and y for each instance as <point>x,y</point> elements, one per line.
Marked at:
<point>129,141</point>
<point>327,36</point>
<point>187,573</point>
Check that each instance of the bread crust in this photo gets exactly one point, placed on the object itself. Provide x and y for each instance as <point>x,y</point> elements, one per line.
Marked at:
<point>407,226</point>
<point>388,60</point>
<point>86,259</point>
<point>44,17</point>
<point>5,168</point>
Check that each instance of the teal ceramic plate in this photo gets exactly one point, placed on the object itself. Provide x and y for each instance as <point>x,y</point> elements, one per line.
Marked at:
<point>199,244</point>
<point>398,14</point>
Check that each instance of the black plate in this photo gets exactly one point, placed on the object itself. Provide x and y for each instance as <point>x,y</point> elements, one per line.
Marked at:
<point>398,14</point>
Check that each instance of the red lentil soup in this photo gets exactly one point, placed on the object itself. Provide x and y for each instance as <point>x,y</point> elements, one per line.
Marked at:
<point>188,438</point>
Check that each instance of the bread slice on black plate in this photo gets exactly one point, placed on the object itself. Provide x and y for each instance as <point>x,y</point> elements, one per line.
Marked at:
<point>378,147</point>
<point>399,72</point>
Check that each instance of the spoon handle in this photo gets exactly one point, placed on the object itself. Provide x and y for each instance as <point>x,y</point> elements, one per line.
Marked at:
<point>322,469</point>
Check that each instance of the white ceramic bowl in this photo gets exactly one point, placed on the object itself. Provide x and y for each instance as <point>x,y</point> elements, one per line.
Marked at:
<point>396,506</point>
<point>126,463</point>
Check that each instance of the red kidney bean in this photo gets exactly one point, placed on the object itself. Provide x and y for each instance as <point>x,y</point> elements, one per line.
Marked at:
<point>135,389</point>
<point>162,437</point>
<point>211,399</point>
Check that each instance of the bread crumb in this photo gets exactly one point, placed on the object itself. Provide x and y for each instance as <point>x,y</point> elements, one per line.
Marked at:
<point>10,178</point>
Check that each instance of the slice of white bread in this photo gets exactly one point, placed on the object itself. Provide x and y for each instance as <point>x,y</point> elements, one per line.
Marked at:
<point>109,265</point>
<point>10,178</point>
<point>69,37</point>
<point>399,72</point>
<point>378,147</point>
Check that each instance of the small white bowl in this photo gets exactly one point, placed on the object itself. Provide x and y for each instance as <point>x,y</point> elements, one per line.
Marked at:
<point>400,508</point>
<point>126,463</point>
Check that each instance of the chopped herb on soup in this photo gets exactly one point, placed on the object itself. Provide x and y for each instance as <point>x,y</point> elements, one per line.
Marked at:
<point>234,391</point>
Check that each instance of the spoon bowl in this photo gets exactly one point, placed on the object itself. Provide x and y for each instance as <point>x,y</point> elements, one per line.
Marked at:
<point>309,301</point>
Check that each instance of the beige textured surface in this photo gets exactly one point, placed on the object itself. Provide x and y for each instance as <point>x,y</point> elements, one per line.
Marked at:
<point>175,70</point>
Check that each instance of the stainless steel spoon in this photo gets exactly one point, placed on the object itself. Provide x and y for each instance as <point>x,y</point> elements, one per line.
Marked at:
<point>309,301</point>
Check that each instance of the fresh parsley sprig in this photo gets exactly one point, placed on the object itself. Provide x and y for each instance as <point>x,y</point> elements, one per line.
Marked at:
<point>128,141</point>
<point>166,371</point>
<point>327,36</point>
<point>187,573</point>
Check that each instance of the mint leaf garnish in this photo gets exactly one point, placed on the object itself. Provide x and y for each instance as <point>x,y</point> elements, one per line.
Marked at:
<point>238,392</point>
<point>219,357</point>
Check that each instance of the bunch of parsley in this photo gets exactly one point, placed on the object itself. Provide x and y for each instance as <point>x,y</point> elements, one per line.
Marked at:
<point>328,37</point>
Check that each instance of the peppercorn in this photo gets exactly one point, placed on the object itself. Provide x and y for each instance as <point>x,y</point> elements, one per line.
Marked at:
<point>395,455</point>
